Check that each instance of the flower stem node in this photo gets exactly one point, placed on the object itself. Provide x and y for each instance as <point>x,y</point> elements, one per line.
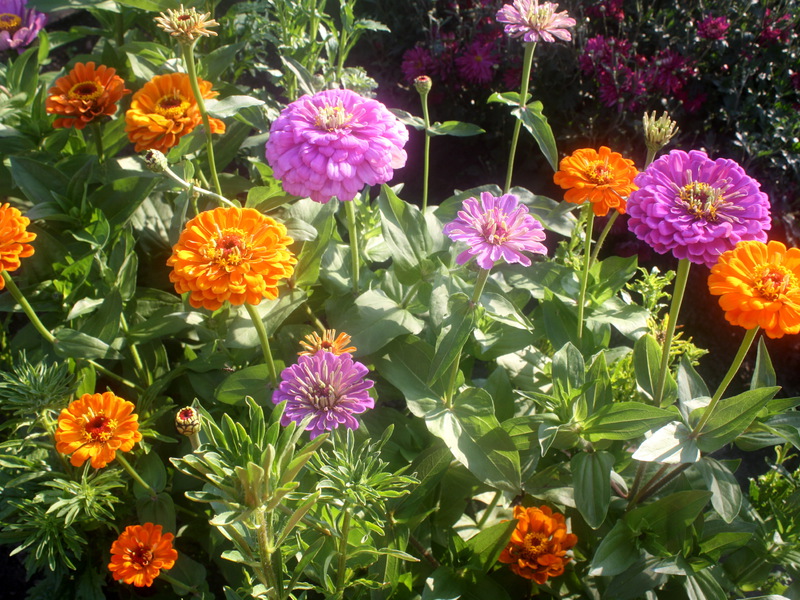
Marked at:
<point>187,421</point>
<point>186,24</point>
<point>155,161</point>
<point>658,132</point>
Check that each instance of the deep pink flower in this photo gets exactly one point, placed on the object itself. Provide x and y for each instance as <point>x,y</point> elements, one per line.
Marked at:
<point>333,143</point>
<point>610,9</point>
<point>476,64</point>
<point>670,71</point>
<point>417,61</point>
<point>19,25</point>
<point>713,28</point>
<point>495,228</point>
<point>535,22</point>
<point>774,29</point>
<point>795,78</point>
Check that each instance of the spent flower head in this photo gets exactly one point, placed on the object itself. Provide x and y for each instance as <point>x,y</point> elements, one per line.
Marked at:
<point>658,131</point>
<point>186,24</point>
<point>535,22</point>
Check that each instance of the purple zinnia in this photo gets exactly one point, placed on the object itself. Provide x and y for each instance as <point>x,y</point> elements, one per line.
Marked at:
<point>333,143</point>
<point>713,28</point>
<point>417,61</point>
<point>477,62</point>
<point>495,228</point>
<point>535,22</point>
<point>329,387</point>
<point>19,26</point>
<point>697,207</point>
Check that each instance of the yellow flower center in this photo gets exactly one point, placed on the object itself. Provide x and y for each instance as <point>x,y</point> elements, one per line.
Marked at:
<point>534,545</point>
<point>85,90</point>
<point>495,228</point>
<point>99,429</point>
<point>701,200</point>
<point>331,118</point>
<point>9,22</point>
<point>142,556</point>
<point>773,281</point>
<point>539,15</point>
<point>227,248</point>
<point>598,172</point>
<point>172,106</point>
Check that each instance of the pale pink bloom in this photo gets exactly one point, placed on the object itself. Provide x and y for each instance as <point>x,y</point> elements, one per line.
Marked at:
<point>535,22</point>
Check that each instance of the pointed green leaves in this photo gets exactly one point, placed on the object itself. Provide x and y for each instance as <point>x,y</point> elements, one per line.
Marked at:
<point>731,417</point>
<point>591,476</point>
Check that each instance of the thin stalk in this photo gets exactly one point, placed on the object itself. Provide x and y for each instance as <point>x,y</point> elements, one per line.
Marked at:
<point>264,339</point>
<point>651,154</point>
<point>637,480</point>
<point>587,262</point>
<point>314,318</point>
<point>264,533</point>
<point>341,569</point>
<point>427,153</point>
<point>489,509</point>
<point>354,251</point>
<point>410,294</point>
<point>527,62</point>
<point>674,309</point>
<point>132,472</point>
<point>635,498</point>
<point>137,360</point>
<point>653,488</point>
<point>185,589</point>
<point>603,234</point>
<point>193,188</point>
<point>97,134</point>
<point>480,283</point>
<point>27,308</point>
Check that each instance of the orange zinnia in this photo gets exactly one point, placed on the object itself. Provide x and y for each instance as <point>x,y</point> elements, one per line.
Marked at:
<point>539,544</point>
<point>234,254</point>
<point>139,554</point>
<point>85,94</point>
<point>164,111</point>
<point>95,426</point>
<point>759,286</point>
<point>329,342</point>
<point>603,178</point>
<point>14,238</point>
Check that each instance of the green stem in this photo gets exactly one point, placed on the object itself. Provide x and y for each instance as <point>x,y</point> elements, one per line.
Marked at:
<point>747,341</point>
<point>410,293</point>
<point>314,318</point>
<point>193,188</point>
<point>354,252</point>
<point>654,486</point>
<point>587,262</point>
<point>185,589</point>
<point>137,360</point>
<point>489,509</point>
<point>132,472</point>
<point>527,62</point>
<point>674,309</point>
<point>27,308</point>
<point>341,575</point>
<point>266,551</point>
<point>264,339</point>
<point>651,154</point>
<point>603,234</point>
<point>97,134</point>
<point>480,283</point>
<point>426,161</point>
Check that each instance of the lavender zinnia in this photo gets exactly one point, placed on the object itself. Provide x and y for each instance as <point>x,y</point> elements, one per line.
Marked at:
<point>535,22</point>
<point>333,143</point>
<point>329,387</point>
<point>696,207</point>
<point>19,25</point>
<point>495,228</point>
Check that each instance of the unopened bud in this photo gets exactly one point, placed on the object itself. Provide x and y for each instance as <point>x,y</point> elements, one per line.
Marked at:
<point>187,421</point>
<point>155,161</point>
<point>657,132</point>
<point>423,84</point>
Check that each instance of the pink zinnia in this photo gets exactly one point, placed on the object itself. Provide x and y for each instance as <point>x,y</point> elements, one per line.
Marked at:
<point>713,28</point>
<point>477,63</point>
<point>417,61</point>
<point>535,22</point>
<point>496,228</point>
<point>19,25</point>
<point>333,143</point>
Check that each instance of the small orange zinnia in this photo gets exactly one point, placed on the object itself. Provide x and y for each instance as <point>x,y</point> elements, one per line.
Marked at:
<point>234,254</point>
<point>14,238</point>
<point>539,544</point>
<point>329,342</point>
<point>85,94</point>
<point>165,110</point>
<point>95,426</point>
<point>603,178</point>
<point>759,286</point>
<point>139,554</point>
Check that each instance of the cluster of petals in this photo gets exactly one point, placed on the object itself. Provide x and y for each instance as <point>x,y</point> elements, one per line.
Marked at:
<point>327,342</point>
<point>231,254</point>
<point>140,553</point>
<point>328,387</point>
<point>535,22</point>
<point>478,61</point>
<point>19,25</point>
<point>759,286</point>
<point>333,143</point>
<point>96,426</point>
<point>86,93</point>
<point>14,238</point>
<point>602,177</point>
<point>697,208</point>
<point>713,28</point>
<point>538,546</point>
<point>165,110</point>
<point>495,228</point>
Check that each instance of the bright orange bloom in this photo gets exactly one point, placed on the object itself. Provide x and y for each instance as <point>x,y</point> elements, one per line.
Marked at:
<point>139,554</point>
<point>14,239</point>
<point>329,342</point>
<point>95,426</point>
<point>85,94</point>
<point>539,544</point>
<point>164,111</point>
<point>759,286</point>
<point>603,178</point>
<point>234,254</point>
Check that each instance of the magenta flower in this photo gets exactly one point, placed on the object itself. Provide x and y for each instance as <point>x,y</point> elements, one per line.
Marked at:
<point>535,22</point>
<point>671,71</point>
<point>417,61</point>
<point>713,28</point>
<point>495,228</point>
<point>696,207</point>
<point>611,9</point>
<point>330,388</point>
<point>19,26</point>
<point>476,64</point>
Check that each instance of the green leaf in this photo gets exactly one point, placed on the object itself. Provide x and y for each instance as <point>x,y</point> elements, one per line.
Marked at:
<point>703,586</point>
<point>159,510</point>
<point>507,98</point>
<point>165,325</point>
<point>690,384</point>
<point>569,372</point>
<point>39,182</point>
<point>149,5</point>
<point>250,381</point>
<point>447,584</point>
<point>591,478</point>
<point>152,470</point>
<point>727,494</point>
<point>487,545</point>
<point>408,119</point>
<point>731,417</point>
<point>227,107</point>
<point>671,444</point>
<point>617,551</point>
<point>74,344</point>
<point>405,365</point>
<point>669,516</point>
<point>624,421</point>
<point>764,372</point>
<point>536,123</point>
<point>455,128</point>
<point>455,332</point>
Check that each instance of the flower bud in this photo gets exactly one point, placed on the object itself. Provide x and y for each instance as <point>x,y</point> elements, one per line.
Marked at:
<point>657,132</point>
<point>187,421</point>
<point>423,84</point>
<point>155,161</point>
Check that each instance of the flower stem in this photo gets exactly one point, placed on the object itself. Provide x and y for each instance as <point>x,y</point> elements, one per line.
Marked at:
<point>137,360</point>
<point>354,252</point>
<point>193,188</point>
<point>651,154</point>
<point>588,214</point>
<point>264,339</point>
<point>97,134</point>
<point>426,161</point>
<point>480,283</point>
<point>111,375</point>
<point>27,308</point>
<point>266,551</point>
<point>341,570</point>
<point>603,234</point>
<point>527,62</point>
<point>489,509</point>
<point>674,309</point>
<point>132,472</point>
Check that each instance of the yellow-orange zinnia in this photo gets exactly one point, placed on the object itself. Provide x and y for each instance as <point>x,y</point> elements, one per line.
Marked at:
<point>759,286</point>
<point>165,110</point>
<point>233,254</point>
<point>139,554</point>
<point>14,238</point>
<point>603,178</point>
<point>95,426</point>
<point>539,544</point>
<point>86,93</point>
<point>329,342</point>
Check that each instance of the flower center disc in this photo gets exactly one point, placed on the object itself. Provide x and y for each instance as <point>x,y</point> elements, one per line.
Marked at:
<point>773,281</point>
<point>85,90</point>
<point>598,173</point>
<point>701,200</point>
<point>534,545</point>
<point>9,22</point>
<point>539,15</point>
<point>495,229</point>
<point>172,106</point>
<point>323,395</point>
<point>99,429</point>
<point>142,556</point>
<point>331,118</point>
<point>228,248</point>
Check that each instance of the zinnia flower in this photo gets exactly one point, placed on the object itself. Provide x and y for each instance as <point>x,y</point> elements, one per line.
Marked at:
<point>333,143</point>
<point>164,111</point>
<point>535,22</point>
<point>713,28</point>
<point>85,94</point>
<point>95,426</point>
<point>19,25</point>
<point>329,342</point>
<point>477,63</point>
<point>234,254</point>
<point>539,544</point>
<point>417,61</point>
<point>496,227</point>
<point>186,24</point>
<point>329,387</point>
<point>139,554</point>
<point>14,238</point>
<point>602,177</point>
<point>759,286</point>
<point>696,207</point>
